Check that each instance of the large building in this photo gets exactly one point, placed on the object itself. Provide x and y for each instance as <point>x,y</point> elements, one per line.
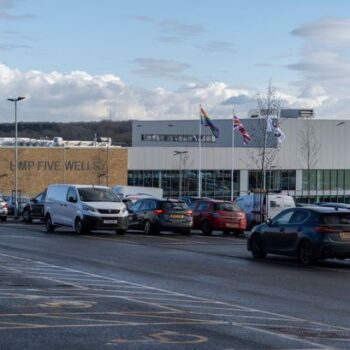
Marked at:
<point>311,162</point>
<point>44,162</point>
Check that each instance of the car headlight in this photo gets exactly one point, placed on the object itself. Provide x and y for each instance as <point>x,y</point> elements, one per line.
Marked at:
<point>123,209</point>
<point>88,208</point>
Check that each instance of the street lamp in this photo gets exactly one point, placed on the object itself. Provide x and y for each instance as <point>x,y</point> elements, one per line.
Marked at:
<point>15,100</point>
<point>180,154</point>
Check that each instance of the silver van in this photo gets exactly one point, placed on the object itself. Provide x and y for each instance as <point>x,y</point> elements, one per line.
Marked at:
<point>84,208</point>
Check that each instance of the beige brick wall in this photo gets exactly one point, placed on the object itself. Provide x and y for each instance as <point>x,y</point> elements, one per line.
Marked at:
<point>40,167</point>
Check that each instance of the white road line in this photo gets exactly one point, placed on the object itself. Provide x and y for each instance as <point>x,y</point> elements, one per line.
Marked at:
<point>203,300</point>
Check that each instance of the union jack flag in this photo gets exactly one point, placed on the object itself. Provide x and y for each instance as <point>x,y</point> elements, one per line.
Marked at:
<point>237,125</point>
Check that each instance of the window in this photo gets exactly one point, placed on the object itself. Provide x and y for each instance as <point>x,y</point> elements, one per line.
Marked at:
<point>202,206</point>
<point>97,194</point>
<point>152,205</point>
<point>226,206</point>
<point>177,138</point>
<point>283,218</point>
<point>72,194</point>
<point>299,216</point>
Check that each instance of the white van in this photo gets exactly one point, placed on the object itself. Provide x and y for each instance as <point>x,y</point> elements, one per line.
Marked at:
<point>250,204</point>
<point>84,208</point>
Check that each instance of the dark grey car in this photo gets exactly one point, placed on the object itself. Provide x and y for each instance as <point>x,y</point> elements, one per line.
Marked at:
<point>308,233</point>
<point>155,215</point>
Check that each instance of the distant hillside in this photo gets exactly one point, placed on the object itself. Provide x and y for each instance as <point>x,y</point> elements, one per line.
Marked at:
<point>120,132</point>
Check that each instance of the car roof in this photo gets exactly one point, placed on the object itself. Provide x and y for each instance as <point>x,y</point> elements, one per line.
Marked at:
<point>214,200</point>
<point>80,186</point>
<point>325,210</point>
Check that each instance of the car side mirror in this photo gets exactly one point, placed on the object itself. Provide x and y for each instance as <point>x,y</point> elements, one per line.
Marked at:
<point>269,221</point>
<point>72,199</point>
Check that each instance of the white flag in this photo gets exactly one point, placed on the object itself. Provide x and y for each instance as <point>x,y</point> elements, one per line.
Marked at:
<point>281,136</point>
<point>277,131</point>
<point>269,124</point>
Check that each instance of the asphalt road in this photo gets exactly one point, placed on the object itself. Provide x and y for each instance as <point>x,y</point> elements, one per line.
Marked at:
<point>103,291</point>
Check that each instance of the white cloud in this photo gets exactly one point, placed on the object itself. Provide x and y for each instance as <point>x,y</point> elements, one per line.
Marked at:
<point>80,96</point>
<point>324,66</point>
<point>330,31</point>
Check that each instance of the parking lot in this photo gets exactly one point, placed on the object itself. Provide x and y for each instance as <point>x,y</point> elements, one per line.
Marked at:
<point>104,291</point>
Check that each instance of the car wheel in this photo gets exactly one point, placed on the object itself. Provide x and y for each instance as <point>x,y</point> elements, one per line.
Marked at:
<point>257,249</point>
<point>48,224</point>
<point>120,231</point>
<point>26,216</point>
<point>306,253</point>
<point>206,229</point>
<point>79,227</point>
<point>148,228</point>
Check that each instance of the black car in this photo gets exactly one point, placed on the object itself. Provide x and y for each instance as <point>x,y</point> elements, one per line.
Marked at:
<point>35,208</point>
<point>308,233</point>
<point>153,215</point>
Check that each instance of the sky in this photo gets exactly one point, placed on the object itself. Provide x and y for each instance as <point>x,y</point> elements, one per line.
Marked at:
<point>86,60</point>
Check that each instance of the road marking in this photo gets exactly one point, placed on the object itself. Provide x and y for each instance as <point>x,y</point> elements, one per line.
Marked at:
<point>164,300</point>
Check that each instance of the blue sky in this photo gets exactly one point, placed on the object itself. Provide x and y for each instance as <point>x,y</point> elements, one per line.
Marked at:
<point>137,59</point>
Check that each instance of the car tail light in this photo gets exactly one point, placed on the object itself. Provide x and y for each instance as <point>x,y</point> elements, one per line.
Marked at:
<point>4,205</point>
<point>159,211</point>
<point>189,212</point>
<point>325,229</point>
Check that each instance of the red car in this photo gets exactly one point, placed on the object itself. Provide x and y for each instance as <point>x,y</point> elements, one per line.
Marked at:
<point>218,215</point>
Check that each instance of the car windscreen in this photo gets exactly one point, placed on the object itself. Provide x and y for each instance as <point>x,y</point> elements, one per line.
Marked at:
<point>174,205</point>
<point>226,206</point>
<point>89,194</point>
<point>337,219</point>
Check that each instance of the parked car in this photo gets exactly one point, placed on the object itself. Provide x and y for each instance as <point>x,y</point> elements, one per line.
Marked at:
<point>153,215</point>
<point>10,200</point>
<point>84,208</point>
<point>3,209</point>
<point>308,233</point>
<point>35,208</point>
<point>129,200</point>
<point>211,214</point>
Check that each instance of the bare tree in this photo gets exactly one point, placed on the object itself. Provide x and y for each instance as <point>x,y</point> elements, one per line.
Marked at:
<point>309,148</point>
<point>262,157</point>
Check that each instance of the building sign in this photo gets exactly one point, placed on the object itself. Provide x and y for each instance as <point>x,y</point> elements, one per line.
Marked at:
<point>57,165</point>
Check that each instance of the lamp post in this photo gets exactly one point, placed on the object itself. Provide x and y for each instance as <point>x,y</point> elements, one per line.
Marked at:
<point>180,154</point>
<point>15,100</point>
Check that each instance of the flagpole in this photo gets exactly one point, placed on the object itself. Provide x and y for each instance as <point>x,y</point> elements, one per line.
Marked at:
<point>200,155</point>
<point>233,153</point>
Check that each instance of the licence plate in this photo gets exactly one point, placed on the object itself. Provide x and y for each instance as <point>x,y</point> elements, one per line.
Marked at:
<point>110,221</point>
<point>345,235</point>
<point>231,225</point>
<point>176,216</point>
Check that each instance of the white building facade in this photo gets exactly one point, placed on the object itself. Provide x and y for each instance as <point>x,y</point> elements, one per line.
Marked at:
<point>313,161</point>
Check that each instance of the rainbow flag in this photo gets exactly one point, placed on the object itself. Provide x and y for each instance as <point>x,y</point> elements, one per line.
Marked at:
<point>206,121</point>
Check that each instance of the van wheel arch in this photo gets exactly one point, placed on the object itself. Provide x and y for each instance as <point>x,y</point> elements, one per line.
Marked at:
<point>48,223</point>
<point>80,227</point>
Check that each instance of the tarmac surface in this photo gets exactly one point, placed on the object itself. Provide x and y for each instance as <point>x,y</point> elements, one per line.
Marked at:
<point>104,291</point>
